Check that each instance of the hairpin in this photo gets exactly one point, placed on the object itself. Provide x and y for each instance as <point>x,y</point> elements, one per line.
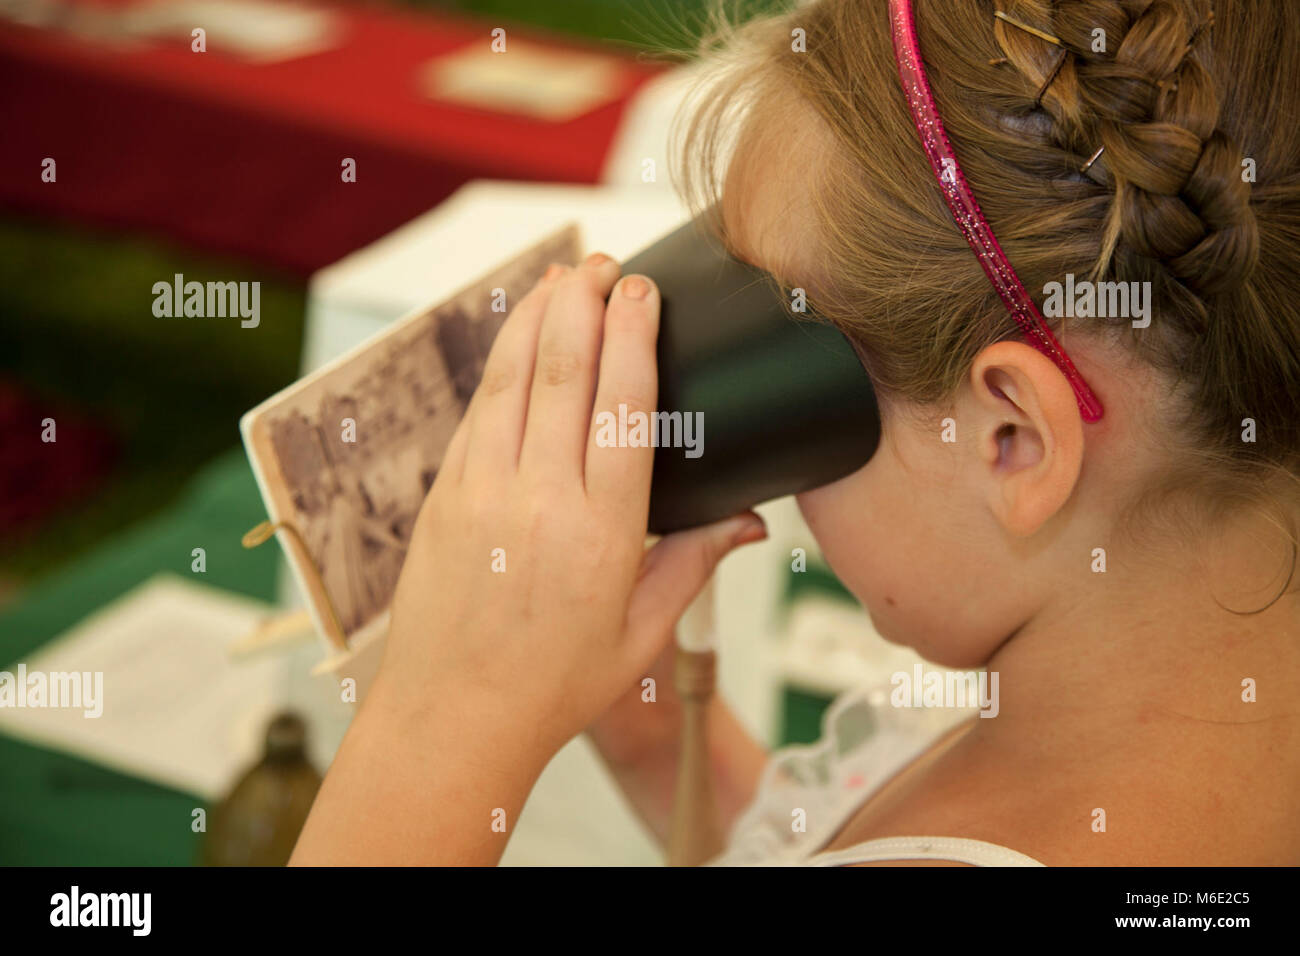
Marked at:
<point>1021,25</point>
<point>965,210</point>
<point>1060,62</point>
<point>1060,57</point>
<point>1091,159</point>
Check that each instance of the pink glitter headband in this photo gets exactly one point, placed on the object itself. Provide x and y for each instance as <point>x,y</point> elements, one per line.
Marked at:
<point>966,211</point>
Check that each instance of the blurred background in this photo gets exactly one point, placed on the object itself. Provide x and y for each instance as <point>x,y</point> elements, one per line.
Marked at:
<point>146,139</point>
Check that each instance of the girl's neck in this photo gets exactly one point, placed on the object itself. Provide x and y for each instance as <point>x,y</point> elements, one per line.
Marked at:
<point>1146,692</point>
<point>1187,634</point>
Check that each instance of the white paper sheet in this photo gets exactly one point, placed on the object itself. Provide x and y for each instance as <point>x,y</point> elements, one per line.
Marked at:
<point>253,29</point>
<point>177,708</point>
<point>525,78</point>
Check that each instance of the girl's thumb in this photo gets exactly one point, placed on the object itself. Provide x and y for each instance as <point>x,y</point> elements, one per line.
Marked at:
<point>675,570</point>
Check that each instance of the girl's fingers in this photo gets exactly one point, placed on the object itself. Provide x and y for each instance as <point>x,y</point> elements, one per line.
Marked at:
<point>452,467</point>
<point>617,474</point>
<point>673,572</point>
<point>499,407</point>
<point>564,374</point>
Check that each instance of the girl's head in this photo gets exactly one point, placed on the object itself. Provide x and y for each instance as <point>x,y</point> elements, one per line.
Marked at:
<point>990,498</point>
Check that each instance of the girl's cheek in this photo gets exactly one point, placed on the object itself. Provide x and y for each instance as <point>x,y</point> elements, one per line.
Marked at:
<point>841,529</point>
<point>817,507</point>
<point>866,535</point>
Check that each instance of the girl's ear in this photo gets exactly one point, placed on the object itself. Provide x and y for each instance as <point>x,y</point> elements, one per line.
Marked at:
<point>1030,435</point>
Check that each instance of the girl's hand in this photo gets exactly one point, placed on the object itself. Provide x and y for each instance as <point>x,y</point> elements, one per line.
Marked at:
<point>633,729</point>
<point>527,596</point>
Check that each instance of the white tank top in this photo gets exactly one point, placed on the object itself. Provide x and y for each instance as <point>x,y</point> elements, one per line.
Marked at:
<point>807,794</point>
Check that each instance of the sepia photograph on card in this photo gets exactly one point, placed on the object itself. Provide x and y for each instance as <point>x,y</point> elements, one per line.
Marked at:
<point>346,455</point>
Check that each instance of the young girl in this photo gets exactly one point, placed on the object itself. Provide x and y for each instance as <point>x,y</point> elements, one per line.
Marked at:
<point>1127,572</point>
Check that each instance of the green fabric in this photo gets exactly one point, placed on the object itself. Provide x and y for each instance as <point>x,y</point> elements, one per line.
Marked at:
<point>801,716</point>
<point>817,580</point>
<point>56,810</point>
<point>79,337</point>
<point>59,809</point>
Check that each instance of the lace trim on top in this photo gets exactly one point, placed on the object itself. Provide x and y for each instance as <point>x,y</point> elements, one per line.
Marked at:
<point>865,741</point>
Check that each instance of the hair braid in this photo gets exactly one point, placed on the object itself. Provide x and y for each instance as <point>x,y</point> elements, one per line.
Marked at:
<point>1135,83</point>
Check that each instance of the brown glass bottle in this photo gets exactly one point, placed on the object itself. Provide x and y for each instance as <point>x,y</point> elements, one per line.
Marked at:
<point>258,823</point>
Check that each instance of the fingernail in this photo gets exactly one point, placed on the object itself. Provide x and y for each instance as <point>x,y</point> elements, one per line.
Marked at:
<point>553,271</point>
<point>634,287</point>
<point>749,531</point>
<point>597,259</point>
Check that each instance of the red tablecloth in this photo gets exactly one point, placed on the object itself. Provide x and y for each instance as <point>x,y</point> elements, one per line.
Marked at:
<point>240,157</point>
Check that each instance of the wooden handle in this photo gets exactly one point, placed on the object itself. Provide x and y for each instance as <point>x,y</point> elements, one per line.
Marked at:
<point>263,533</point>
<point>696,834</point>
